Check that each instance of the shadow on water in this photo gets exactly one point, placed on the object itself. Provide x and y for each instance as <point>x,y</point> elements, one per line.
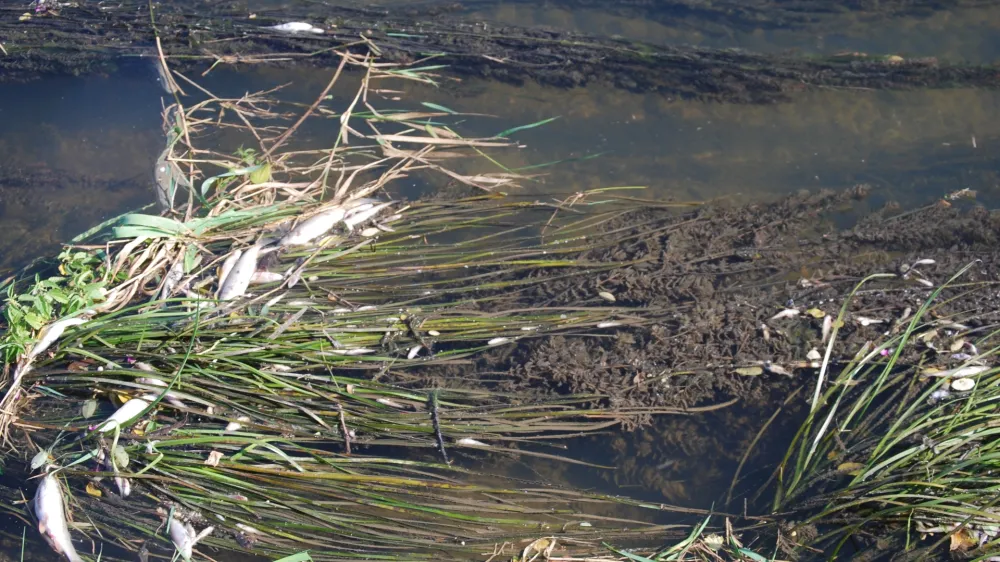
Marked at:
<point>79,150</point>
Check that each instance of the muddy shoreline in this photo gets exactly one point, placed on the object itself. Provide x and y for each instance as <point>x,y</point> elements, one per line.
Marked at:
<point>83,40</point>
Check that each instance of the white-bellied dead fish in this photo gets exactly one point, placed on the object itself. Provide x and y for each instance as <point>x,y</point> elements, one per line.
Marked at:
<point>126,413</point>
<point>313,227</point>
<point>297,27</point>
<point>50,511</point>
<point>184,537</point>
<point>238,280</point>
<point>51,333</point>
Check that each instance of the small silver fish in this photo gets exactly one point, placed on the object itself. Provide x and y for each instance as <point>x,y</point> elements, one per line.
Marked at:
<point>238,280</point>
<point>313,227</point>
<point>51,514</point>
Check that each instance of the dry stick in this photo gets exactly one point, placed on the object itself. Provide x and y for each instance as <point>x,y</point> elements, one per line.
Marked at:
<point>284,136</point>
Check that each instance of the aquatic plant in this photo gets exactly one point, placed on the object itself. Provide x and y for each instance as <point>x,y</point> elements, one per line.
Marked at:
<point>184,407</point>
<point>901,444</point>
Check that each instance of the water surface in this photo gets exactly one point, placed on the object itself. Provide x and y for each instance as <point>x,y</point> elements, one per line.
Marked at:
<point>78,150</point>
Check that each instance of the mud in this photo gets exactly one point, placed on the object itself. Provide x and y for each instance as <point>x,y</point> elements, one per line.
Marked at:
<point>719,276</point>
<point>85,40</point>
<point>763,14</point>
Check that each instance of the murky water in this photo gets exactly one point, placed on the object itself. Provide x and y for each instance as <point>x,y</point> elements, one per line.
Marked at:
<point>80,150</point>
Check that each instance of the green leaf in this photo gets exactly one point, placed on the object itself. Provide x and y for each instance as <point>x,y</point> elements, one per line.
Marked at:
<point>752,555</point>
<point>261,174</point>
<point>297,557</point>
<point>629,555</point>
<point>208,183</point>
<point>34,320</point>
<point>438,107</point>
<point>528,126</point>
<point>122,232</point>
<point>190,253</point>
<point>152,221</point>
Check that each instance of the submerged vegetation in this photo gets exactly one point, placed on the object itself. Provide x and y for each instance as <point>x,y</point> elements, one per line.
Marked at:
<point>292,361</point>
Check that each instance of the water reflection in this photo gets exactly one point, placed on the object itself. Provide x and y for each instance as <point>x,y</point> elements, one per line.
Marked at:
<point>75,151</point>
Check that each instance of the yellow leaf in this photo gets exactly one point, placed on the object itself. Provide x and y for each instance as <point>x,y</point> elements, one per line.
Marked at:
<point>93,490</point>
<point>815,313</point>
<point>962,540</point>
<point>261,175</point>
<point>852,468</point>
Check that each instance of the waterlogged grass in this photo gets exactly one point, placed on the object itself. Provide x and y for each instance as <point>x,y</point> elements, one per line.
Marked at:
<point>265,416</point>
<point>904,449</point>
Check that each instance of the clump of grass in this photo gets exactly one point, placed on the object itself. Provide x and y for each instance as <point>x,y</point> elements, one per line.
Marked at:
<point>264,416</point>
<point>902,450</point>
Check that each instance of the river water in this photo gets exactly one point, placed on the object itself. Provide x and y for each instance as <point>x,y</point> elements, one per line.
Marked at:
<point>78,150</point>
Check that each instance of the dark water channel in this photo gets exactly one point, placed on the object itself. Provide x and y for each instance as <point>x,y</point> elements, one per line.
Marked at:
<point>77,150</point>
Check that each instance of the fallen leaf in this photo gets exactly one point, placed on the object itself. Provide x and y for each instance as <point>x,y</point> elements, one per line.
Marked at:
<point>852,468</point>
<point>93,490</point>
<point>213,458</point>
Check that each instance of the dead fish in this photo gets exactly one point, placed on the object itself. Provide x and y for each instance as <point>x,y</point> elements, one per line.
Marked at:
<point>787,313</point>
<point>172,279</point>
<point>50,511</point>
<point>185,538</point>
<point>52,333</point>
<point>227,266</point>
<point>238,280</point>
<point>127,412</point>
<point>261,277</point>
<point>827,327</point>
<point>313,227</point>
<point>352,220</point>
<point>297,27</point>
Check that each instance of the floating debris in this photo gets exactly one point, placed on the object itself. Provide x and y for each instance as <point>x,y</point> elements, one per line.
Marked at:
<point>499,341</point>
<point>607,296</point>
<point>814,355</point>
